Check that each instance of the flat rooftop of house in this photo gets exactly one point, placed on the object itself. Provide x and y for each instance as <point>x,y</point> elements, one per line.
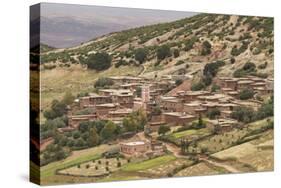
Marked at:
<point>118,92</point>
<point>172,100</point>
<point>194,103</point>
<point>109,105</point>
<point>82,116</point>
<point>260,88</point>
<point>210,104</point>
<point>212,97</point>
<point>196,92</point>
<point>121,111</point>
<point>245,82</point>
<point>135,143</point>
<point>226,89</point>
<point>167,98</point>
<point>246,103</point>
<point>227,105</point>
<point>93,95</point>
<point>115,90</point>
<point>232,92</point>
<point>258,84</point>
<point>179,114</point>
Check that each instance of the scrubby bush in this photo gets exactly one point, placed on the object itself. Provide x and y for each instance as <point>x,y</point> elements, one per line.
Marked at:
<point>176,53</point>
<point>243,114</point>
<point>232,60</point>
<point>103,82</point>
<point>247,69</point>
<point>206,48</point>
<point>246,94</point>
<point>197,86</point>
<point>99,61</point>
<point>263,66</point>
<point>178,82</point>
<point>163,52</point>
<point>141,55</point>
<point>237,51</point>
<point>179,62</point>
<point>121,63</point>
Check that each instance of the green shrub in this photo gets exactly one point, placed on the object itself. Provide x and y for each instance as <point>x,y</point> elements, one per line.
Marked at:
<point>197,86</point>
<point>206,48</point>
<point>246,94</point>
<point>263,66</point>
<point>99,61</point>
<point>176,53</point>
<point>103,82</point>
<point>179,62</point>
<point>178,82</point>
<point>163,52</point>
<point>141,55</point>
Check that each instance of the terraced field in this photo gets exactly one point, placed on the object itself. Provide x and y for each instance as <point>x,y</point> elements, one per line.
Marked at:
<point>223,141</point>
<point>200,169</point>
<point>257,153</point>
<point>191,134</point>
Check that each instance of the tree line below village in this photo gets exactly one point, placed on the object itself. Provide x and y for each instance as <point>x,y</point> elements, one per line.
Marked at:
<point>88,134</point>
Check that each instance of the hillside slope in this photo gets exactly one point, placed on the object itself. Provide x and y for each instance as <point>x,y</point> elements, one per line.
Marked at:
<point>199,40</point>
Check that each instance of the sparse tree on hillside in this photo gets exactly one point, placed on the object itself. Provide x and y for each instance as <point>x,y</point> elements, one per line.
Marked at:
<point>140,55</point>
<point>163,52</point>
<point>68,98</point>
<point>99,61</point>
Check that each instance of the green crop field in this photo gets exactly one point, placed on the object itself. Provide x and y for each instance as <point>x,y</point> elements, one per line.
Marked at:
<point>148,163</point>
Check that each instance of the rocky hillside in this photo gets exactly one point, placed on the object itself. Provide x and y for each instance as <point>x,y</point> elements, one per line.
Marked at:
<point>191,43</point>
<point>243,45</point>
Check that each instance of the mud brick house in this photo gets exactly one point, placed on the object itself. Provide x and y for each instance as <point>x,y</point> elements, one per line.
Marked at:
<point>102,110</point>
<point>177,118</point>
<point>226,114</point>
<point>155,122</point>
<point>137,103</point>
<point>226,82</point>
<point>192,95</point>
<point>93,100</point>
<point>261,90</point>
<point>211,98</point>
<point>233,93</point>
<point>122,96</point>
<point>223,125</point>
<point>125,100</point>
<point>171,104</point>
<point>119,113</point>
<point>191,107</point>
<point>269,85</point>
<point>226,106</point>
<point>244,84</point>
<point>125,79</point>
<point>200,112</point>
<point>135,147</point>
<point>130,86</point>
<point>74,121</point>
<point>158,148</point>
<point>210,105</point>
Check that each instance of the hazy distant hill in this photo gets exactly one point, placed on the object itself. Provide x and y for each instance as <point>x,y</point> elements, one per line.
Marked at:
<point>64,25</point>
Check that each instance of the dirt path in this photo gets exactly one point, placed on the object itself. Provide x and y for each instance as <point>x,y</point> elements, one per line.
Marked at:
<point>225,166</point>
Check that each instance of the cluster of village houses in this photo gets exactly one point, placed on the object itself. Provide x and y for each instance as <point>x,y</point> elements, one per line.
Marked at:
<point>177,109</point>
